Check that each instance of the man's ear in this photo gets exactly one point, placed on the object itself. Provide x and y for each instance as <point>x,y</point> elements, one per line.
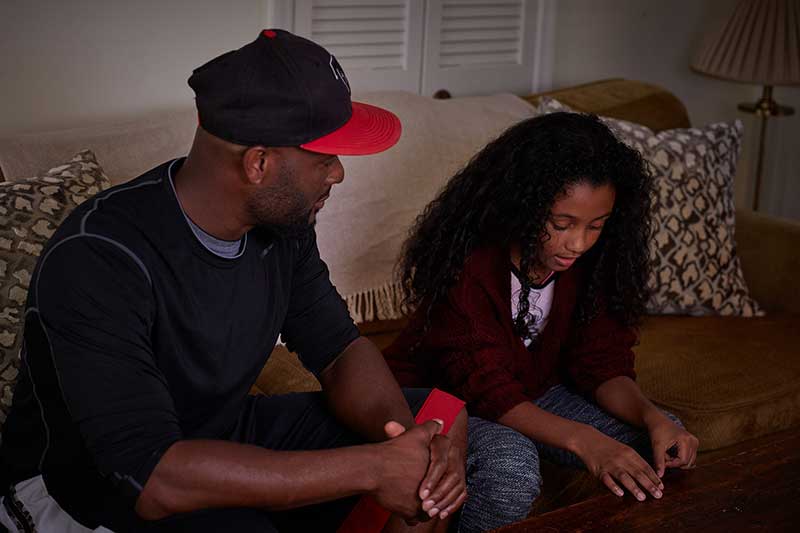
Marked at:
<point>256,162</point>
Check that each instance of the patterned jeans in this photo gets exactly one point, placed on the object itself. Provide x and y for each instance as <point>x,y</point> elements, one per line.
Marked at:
<point>503,476</point>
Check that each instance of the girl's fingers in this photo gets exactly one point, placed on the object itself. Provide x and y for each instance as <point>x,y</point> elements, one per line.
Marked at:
<point>436,468</point>
<point>629,483</point>
<point>651,476</point>
<point>692,459</point>
<point>645,480</point>
<point>454,506</point>
<point>446,485</point>
<point>660,458</point>
<point>684,452</point>
<point>609,482</point>
<point>674,462</point>
<point>448,502</point>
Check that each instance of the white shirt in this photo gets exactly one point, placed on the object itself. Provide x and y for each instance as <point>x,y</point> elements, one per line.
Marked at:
<point>540,300</point>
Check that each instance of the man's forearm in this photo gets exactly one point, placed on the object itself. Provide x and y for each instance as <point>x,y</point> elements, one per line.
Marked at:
<point>622,397</point>
<point>200,474</point>
<point>362,392</point>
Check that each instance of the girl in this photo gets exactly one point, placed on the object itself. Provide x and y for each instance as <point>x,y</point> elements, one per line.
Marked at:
<point>527,277</point>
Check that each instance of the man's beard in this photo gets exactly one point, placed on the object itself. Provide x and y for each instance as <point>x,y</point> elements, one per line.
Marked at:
<point>281,209</point>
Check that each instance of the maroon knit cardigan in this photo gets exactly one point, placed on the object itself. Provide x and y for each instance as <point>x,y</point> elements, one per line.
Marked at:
<point>472,351</point>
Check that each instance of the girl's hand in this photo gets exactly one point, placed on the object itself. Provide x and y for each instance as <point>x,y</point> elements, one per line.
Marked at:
<point>673,446</point>
<point>444,489</point>
<point>616,464</point>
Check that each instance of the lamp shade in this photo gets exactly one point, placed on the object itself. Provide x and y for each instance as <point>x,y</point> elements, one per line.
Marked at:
<point>759,43</point>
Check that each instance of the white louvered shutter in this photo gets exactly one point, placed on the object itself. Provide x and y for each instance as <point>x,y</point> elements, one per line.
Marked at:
<point>377,42</point>
<point>479,47</point>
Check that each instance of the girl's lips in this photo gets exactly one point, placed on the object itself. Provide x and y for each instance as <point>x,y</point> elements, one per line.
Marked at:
<point>565,261</point>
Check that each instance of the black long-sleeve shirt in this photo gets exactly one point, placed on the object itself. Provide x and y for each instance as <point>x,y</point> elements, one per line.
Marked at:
<point>137,336</point>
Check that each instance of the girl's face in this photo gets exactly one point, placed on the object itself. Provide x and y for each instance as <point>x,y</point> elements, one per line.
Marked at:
<point>576,220</point>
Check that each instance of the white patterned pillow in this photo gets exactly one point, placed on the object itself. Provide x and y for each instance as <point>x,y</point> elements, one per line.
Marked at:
<point>697,271</point>
<point>30,212</point>
<point>632,134</point>
<point>695,267</point>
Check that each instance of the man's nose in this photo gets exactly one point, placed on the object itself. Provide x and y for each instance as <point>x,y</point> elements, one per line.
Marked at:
<point>337,172</point>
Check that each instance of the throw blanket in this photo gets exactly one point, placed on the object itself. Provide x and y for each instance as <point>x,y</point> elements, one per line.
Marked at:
<point>363,226</point>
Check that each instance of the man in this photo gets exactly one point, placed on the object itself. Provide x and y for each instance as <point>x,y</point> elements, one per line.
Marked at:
<point>154,306</point>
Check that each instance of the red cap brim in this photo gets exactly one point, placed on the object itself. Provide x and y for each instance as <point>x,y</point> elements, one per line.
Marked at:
<point>370,130</point>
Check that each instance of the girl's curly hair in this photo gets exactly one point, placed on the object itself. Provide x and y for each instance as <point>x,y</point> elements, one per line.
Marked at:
<point>504,196</point>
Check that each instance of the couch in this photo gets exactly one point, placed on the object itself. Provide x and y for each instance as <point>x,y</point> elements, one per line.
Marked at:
<point>727,378</point>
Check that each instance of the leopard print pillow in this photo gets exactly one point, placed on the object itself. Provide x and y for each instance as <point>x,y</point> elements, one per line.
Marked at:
<point>695,267</point>
<point>30,212</point>
<point>697,270</point>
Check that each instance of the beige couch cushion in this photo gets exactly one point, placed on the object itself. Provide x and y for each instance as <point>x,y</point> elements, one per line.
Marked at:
<point>125,149</point>
<point>726,378</point>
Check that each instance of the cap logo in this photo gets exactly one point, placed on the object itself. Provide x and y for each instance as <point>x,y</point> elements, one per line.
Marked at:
<point>338,73</point>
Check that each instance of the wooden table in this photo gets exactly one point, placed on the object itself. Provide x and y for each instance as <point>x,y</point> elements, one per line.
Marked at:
<point>752,486</point>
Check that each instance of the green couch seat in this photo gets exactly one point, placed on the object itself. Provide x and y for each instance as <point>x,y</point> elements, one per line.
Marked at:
<point>724,377</point>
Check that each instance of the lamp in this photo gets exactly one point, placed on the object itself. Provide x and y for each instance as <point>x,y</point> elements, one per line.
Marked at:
<point>759,44</point>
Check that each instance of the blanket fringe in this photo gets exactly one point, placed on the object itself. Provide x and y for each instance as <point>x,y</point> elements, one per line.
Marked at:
<point>377,303</point>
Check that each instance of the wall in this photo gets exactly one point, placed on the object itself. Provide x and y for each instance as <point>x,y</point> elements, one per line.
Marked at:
<point>781,182</point>
<point>66,63</point>
<point>653,41</point>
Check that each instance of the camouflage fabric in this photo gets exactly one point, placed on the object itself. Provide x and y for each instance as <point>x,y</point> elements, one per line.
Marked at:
<point>30,212</point>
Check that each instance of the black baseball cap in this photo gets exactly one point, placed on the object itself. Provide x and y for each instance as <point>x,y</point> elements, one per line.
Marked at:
<point>284,90</point>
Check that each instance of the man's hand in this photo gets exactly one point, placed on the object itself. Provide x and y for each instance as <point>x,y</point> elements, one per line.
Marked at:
<point>616,464</point>
<point>665,436</point>
<point>405,459</point>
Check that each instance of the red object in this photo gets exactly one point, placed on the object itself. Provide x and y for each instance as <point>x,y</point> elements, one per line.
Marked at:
<point>473,351</point>
<point>370,130</point>
<point>369,517</point>
<point>270,34</point>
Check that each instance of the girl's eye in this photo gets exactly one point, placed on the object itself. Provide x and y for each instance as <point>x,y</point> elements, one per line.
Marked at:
<point>596,228</point>
<point>559,228</point>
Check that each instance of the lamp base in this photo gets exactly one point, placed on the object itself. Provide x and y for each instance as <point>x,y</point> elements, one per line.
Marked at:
<point>762,110</point>
<point>766,106</point>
